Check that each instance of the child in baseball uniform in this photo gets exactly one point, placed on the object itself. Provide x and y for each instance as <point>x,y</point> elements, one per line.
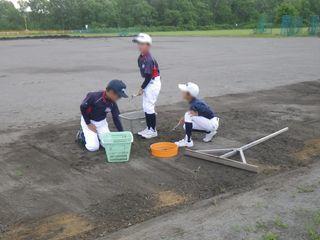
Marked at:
<point>199,117</point>
<point>94,110</point>
<point>151,86</point>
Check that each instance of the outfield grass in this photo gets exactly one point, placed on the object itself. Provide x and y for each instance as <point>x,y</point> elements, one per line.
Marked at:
<point>213,33</point>
<point>21,34</point>
<point>227,33</point>
<point>208,33</point>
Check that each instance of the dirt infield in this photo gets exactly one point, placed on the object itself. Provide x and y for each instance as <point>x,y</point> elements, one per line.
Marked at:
<point>52,189</point>
<point>284,207</point>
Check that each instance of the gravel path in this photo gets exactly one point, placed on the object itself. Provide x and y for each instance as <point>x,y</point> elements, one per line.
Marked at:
<point>286,206</point>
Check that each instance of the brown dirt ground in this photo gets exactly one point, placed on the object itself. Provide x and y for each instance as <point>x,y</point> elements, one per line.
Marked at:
<point>52,189</point>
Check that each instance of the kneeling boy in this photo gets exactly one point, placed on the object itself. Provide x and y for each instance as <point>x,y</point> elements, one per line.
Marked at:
<point>200,117</point>
<point>94,110</point>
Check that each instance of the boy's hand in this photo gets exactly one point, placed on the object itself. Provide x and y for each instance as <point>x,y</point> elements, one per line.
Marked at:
<point>92,127</point>
<point>181,121</point>
<point>140,92</point>
<point>193,113</point>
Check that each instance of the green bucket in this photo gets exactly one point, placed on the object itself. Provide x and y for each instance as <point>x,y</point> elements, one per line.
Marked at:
<point>117,146</point>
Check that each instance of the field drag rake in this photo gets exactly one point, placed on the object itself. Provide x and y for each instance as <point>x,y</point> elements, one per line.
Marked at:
<point>221,156</point>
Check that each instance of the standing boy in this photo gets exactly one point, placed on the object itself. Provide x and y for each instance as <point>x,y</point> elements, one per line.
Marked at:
<point>151,85</point>
<point>94,110</point>
<point>200,116</point>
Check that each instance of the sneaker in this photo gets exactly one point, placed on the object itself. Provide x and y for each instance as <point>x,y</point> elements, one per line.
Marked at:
<point>143,131</point>
<point>80,139</point>
<point>150,134</point>
<point>209,136</point>
<point>184,143</point>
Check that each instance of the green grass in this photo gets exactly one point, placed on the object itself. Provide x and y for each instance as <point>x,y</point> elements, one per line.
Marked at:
<point>218,33</point>
<point>249,229</point>
<point>279,223</point>
<point>207,33</point>
<point>270,236</point>
<point>313,226</point>
<point>236,228</point>
<point>316,218</point>
<point>10,34</point>
<point>261,225</point>
<point>313,234</point>
<point>306,188</point>
<point>18,173</point>
<point>225,33</point>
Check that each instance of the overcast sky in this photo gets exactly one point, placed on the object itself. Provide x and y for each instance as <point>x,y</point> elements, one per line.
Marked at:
<point>14,2</point>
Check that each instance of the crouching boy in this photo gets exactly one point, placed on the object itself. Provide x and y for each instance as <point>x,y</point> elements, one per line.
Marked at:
<point>200,116</point>
<point>94,110</point>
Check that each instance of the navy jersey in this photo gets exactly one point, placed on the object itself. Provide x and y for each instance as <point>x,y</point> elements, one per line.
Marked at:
<point>202,108</point>
<point>149,68</point>
<point>96,107</point>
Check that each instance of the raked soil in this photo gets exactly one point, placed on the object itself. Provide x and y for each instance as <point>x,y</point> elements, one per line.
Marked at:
<point>52,189</point>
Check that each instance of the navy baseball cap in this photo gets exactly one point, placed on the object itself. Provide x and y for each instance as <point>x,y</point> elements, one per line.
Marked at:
<point>119,87</point>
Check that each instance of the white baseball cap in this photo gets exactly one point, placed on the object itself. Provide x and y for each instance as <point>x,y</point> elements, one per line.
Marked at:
<point>191,88</point>
<point>142,38</point>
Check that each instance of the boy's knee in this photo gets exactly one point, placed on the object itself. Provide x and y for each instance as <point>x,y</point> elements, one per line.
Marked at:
<point>149,108</point>
<point>216,123</point>
<point>187,117</point>
<point>92,147</point>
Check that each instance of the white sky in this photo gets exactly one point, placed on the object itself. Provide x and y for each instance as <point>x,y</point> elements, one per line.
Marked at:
<point>15,2</point>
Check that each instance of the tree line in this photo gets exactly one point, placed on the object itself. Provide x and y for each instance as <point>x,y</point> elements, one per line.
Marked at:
<point>160,14</point>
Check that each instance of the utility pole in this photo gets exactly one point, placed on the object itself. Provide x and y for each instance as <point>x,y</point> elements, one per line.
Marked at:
<point>24,9</point>
<point>25,22</point>
<point>214,11</point>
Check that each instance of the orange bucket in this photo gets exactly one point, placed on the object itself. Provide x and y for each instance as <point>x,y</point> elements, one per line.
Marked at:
<point>164,149</point>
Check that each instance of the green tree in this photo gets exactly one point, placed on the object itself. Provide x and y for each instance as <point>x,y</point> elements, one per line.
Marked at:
<point>222,12</point>
<point>103,13</point>
<point>39,15</point>
<point>203,13</point>
<point>10,18</point>
<point>315,7</point>
<point>183,14</point>
<point>244,11</point>
<point>172,18</point>
<point>285,8</point>
<point>304,8</point>
<point>135,13</point>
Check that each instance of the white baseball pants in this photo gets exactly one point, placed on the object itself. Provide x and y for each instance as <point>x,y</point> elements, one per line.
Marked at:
<point>92,138</point>
<point>202,123</point>
<point>150,95</point>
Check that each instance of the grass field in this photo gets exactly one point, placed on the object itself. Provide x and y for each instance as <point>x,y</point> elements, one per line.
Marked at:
<point>219,33</point>
<point>209,33</point>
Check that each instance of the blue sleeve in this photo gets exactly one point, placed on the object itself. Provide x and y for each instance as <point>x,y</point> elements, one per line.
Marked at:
<point>85,107</point>
<point>116,119</point>
<point>146,81</point>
